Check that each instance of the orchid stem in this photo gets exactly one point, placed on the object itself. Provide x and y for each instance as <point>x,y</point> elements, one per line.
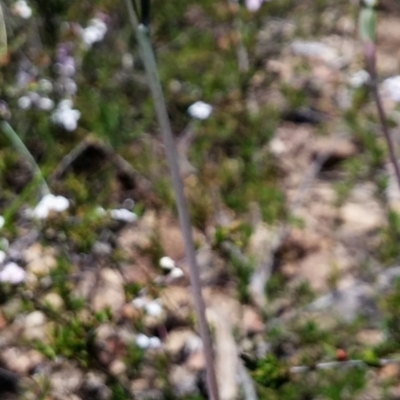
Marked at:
<point>142,33</point>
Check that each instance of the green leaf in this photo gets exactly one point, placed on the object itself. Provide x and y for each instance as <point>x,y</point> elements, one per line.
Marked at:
<point>367,24</point>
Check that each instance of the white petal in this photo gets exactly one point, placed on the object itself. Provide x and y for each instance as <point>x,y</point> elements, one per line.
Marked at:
<point>24,102</point>
<point>2,256</point>
<point>154,342</point>
<point>60,204</point>
<point>12,273</point>
<point>392,87</point>
<point>200,110</point>
<point>142,341</point>
<point>122,214</point>
<point>2,221</point>
<point>41,211</point>
<point>167,263</point>
<point>176,273</point>
<point>153,308</point>
<point>45,103</point>
<point>253,5</point>
<point>359,79</point>
<point>139,302</point>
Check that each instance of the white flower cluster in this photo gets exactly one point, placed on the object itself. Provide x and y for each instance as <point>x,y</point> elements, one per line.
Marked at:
<point>117,214</point>
<point>94,33</point>
<point>22,9</point>
<point>122,214</point>
<point>48,204</point>
<point>359,79</point>
<point>66,116</point>
<point>254,5</point>
<point>12,273</point>
<point>146,342</point>
<point>168,264</point>
<point>200,110</point>
<point>391,86</point>
<point>33,99</point>
<point>151,307</point>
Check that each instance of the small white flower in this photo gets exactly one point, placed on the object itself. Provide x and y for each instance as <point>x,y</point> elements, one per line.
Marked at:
<point>253,5</point>
<point>24,102</point>
<point>139,302</point>
<point>91,35</point>
<point>2,221</point>
<point>65,104</point>
<point>66,116</point>
<point>154,308</point>
<point>154,342</point>
<point>167,263</point>
<point>142,341</point>
<point>45,85</point>
<point>122,214</point>
<point>2,256</point>
<point>99,25</point>
<point>392,88</point>
<point>12,273</point>
<point>95,32</point>
<point>34,97</point>
<point>45,103</point>
<point>70,86</point>
<point>359,79</point>
<point>22,9</point>
<point>200,110</point>
<point>176,273</point>
<point>49,203</point>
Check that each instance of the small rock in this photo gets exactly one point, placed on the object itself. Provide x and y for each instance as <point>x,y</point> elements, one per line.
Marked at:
<point>54,300</point>
<point>66,381</point>
<point>370,337</point>
<point>117,367</point>
<point>335,149</point>
<point>18,361</point>
<point>196,361</point>
<point>252,322</point>
<point>35,326</point>
<point>40,261</point>
<point>390,371</point>
<point>110,291</point>
<point>184,381</point>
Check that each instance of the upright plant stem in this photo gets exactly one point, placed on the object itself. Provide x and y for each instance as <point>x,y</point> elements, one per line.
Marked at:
<point>21,148</point>
<point>370,59</point>
<point>172,157</point>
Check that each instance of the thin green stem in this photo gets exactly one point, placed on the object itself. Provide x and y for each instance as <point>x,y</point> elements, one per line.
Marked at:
<point>21,148</point>
<point>172,157</point>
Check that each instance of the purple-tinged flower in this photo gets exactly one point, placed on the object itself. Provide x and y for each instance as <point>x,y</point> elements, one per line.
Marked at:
<point>12,273</point>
